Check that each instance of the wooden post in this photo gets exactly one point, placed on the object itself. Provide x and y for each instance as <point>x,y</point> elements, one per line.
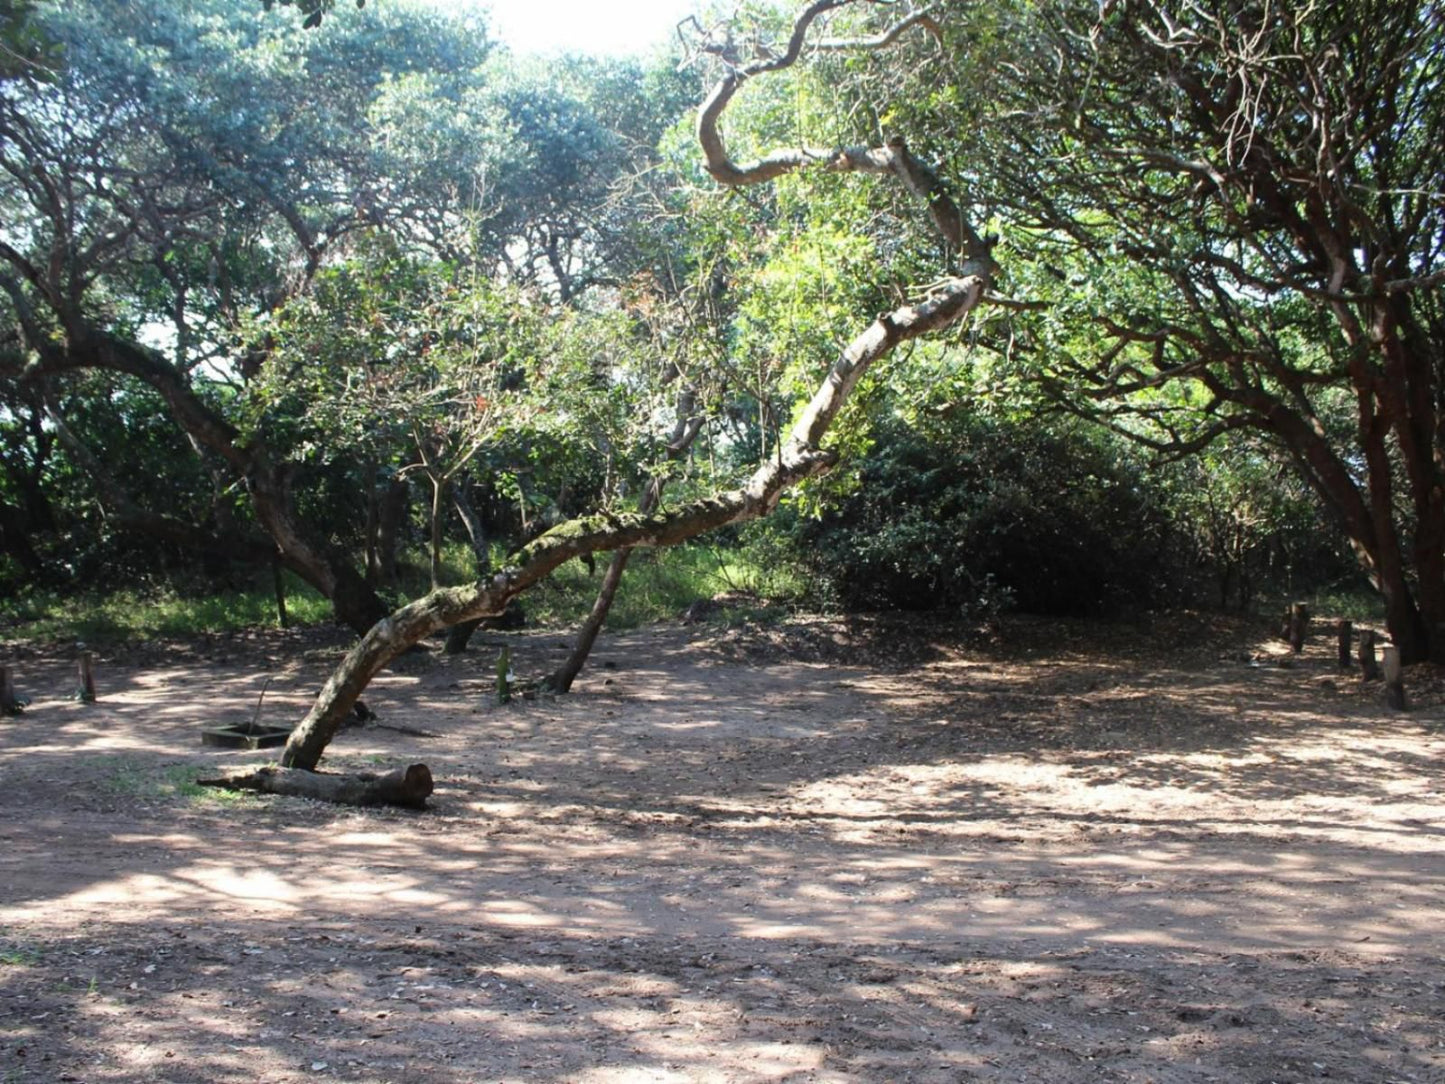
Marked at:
<point>1369,668</point>
<point>1346,632</point>
<point>504,676</point>
<point>1394,678</point>
<point>86,692</point>
<point>9,702</point>
<point>278,582</point>
<point>1299,625</point>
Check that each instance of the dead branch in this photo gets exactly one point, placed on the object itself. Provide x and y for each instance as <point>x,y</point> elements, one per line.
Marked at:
<point>406,787</point>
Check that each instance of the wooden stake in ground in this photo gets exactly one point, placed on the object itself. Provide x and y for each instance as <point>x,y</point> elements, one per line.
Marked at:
<point>278,584</point>
<point>1299,626</point>
<point>1346,632</point>
<point>1369,668</point>
<point>409,787</point>
<point>1394,678</point>
<point>9,703</point>
<point>504,676</point>
<point>85,692</point>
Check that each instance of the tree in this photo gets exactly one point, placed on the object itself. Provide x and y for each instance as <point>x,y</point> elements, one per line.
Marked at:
<point>803,453</point>
<point>179,170</point>
<point>1235,212</point>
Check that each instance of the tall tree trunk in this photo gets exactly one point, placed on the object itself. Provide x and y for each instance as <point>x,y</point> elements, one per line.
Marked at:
<point>438,506</point>
<point>373,520</point>
<point>460,635</point>
<point>388,532</point>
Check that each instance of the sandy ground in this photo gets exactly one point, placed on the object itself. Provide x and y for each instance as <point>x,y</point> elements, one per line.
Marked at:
<point>823,852</point>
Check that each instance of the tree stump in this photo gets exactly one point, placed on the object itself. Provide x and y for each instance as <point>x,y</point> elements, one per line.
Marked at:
<point>1394,678</point>
<point>409,787</point>
<point>1345,630</point>
<point>1299,626</point>
<point>1369,668</point>
<point>85,691</point>
<point>9,703</point>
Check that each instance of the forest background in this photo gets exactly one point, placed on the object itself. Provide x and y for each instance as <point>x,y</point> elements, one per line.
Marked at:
<point>340,307</point>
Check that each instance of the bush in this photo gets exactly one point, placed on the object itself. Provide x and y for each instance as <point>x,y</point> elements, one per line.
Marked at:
<point>976,514</point>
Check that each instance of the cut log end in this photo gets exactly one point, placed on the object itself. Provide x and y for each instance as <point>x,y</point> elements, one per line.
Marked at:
<point>407,787</point>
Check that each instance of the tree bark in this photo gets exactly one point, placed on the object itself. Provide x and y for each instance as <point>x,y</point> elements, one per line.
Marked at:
<point>373,521</point>
<point>684,433</point>
<point>1369,668</point>
<point>1394,679</point>
<point>408,788</point>
<point>392,516</point>
<point>563,677</point>
<point>278,585</point>
<point>9,703</point>
<point>85,678</point>
<point>801,457</point>
<point>438,507</point>
<point>1299,625</point>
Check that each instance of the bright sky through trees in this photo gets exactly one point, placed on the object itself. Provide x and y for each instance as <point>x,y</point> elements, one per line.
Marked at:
<point>617,28</point>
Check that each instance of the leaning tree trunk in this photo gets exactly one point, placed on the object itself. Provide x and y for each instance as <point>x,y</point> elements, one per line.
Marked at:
<point>800,457</point>
<point>684,433</point>
<point>563,677</point>
<point>86,346</point>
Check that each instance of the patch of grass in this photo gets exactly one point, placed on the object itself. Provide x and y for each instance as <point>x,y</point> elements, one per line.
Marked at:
<point>15,954</point>
<point>135,613</point>
<point>168,782</point>
<point>137,780</point>
<point>658,585</point>
<point>1353,602</point>
<point>1354,605</point>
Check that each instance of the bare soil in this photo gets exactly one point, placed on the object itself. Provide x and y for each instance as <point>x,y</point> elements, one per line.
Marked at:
<point>825,851</point>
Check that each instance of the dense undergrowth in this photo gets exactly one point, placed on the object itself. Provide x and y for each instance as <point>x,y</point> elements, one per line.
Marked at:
<point>659,585</point>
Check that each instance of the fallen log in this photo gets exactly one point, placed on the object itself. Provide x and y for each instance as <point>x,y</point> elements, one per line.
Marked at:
<point>407,787</point>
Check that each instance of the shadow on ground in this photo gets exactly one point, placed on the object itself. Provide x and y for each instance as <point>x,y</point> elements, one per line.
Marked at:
<point>1096,858</point>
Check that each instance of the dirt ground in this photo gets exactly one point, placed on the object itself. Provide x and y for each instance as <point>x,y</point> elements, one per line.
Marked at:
<point>826,851</point>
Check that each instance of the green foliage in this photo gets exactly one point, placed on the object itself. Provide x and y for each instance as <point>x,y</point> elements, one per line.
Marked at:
<point>1245,523</point>
<point>138,779</point>
<point>659,585</point>
<point>25,48</point>
<point>134,613</point>
<point>970,515</point>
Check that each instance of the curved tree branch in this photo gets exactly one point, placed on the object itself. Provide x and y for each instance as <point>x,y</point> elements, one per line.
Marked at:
<point>893,158</point>
<point>801,457</point>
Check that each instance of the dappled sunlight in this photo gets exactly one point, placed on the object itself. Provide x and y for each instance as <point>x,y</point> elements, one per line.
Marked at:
<point>667,876</point>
